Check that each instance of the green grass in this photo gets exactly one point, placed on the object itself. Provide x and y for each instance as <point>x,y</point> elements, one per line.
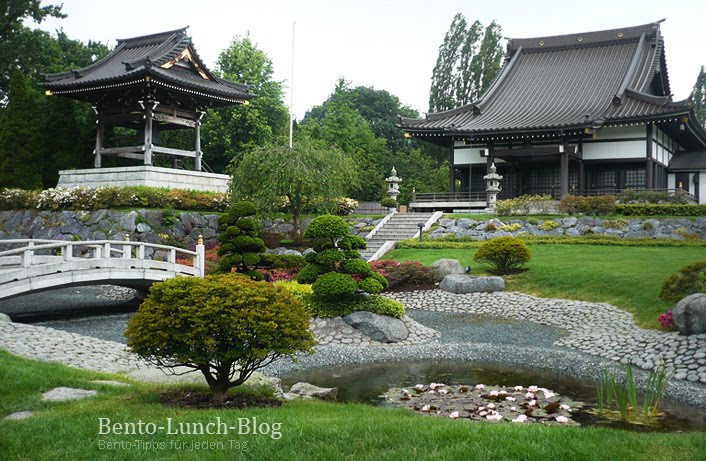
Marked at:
<point>627,277</point>
<point>485,217</point>
<point>310,430</point>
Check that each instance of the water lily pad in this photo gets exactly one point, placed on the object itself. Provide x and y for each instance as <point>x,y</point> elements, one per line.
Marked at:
<point>486,403</point>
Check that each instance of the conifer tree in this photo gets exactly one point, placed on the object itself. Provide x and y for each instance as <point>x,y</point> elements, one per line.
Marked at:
<point>21,136</point>
<point>469,59</point>
<point>699,97</point>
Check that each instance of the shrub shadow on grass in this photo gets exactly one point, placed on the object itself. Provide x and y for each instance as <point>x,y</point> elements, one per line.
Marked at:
<point>201,399</point>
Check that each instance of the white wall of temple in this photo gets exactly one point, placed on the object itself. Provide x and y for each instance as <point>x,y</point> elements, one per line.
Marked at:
<point>616,143</point>
<point>470,155</point>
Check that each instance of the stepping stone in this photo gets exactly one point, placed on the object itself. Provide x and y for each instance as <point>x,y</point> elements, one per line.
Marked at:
<point>109,383</point>
<point>67,393</point>
<point>19,415</point>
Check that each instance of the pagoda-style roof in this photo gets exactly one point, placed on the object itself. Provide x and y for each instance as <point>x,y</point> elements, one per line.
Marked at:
<point>166,62</point>
<point>565,82</point>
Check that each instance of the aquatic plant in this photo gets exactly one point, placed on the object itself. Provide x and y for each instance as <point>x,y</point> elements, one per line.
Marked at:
<point>486,403</point>
<point>618,396</point>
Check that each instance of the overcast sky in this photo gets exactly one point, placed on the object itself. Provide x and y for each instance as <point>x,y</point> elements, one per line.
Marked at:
<point>386,44</point>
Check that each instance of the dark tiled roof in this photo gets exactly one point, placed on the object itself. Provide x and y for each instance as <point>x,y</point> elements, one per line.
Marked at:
<point>688,161</point>
<point>149,55</point>
<point>568,81</point>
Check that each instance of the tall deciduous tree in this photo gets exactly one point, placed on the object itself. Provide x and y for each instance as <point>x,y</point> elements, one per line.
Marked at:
<point>300,176</point>
<point>699,96</point>
<point>468,61</point>
<point>21,136</point>
<point>230,131</point>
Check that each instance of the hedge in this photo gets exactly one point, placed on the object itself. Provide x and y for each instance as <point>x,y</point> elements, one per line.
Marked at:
<point>661,209</point>
<point>463,243</point>
<point>85,198</point>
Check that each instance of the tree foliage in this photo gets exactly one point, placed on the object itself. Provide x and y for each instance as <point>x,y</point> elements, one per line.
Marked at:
<point>21,136</point>
<point>230,131</point>
<point>224,326</point>
<point>277,177</point>
<point>19,44</point>
<point>363,122</point>
<point>468,62</point>
<point>699,96</point>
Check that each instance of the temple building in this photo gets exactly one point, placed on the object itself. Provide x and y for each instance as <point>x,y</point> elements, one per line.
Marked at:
<point>148,85</point>
<point>584,114</point>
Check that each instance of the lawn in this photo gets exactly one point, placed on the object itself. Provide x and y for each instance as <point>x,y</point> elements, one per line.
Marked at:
<point>627,277</point>
<point>309,430</point>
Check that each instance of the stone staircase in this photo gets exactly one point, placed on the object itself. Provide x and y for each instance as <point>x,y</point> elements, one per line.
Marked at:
<point>400,226</point>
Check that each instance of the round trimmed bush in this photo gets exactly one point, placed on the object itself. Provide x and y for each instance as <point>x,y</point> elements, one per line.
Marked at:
<point>380,278</point>
<point>310,273</point>
<point>330,258</point>
<point>505,254</point>
<point>352,242</point>
<point>242,209</point>
<point>327,227</point>
<point>689,280</point>
<point>370,285</point>
<point>333,285</point>
<point>357,266</point>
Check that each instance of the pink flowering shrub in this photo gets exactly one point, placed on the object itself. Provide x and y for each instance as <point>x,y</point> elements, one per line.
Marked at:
<point>666,321</point>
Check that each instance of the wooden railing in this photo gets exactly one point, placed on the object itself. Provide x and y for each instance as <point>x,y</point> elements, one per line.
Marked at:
<point>449,197</point>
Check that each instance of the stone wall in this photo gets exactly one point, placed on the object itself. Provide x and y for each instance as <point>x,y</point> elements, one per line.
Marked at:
<point>678,229</point>
<point>153,226</point>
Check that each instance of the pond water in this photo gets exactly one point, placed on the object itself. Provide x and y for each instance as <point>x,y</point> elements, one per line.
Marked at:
<point>366,384</point>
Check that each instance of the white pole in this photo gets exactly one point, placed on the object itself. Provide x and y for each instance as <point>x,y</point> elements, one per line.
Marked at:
<point>291,95</point>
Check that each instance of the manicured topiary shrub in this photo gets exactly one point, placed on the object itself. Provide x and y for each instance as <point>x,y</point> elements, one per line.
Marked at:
<point>689,280</point>
<point>388,202</point>
<point>240,246</point>
<point>224,326</point>
<point>599,205</point>
<point>336,271</point>
<point>505,254</point>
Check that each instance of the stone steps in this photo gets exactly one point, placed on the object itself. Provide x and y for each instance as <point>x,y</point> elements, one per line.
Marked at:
<point>399,227</point>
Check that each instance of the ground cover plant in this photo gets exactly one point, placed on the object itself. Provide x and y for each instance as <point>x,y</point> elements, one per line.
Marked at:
<point>629,277</point>
<point>309,429</point>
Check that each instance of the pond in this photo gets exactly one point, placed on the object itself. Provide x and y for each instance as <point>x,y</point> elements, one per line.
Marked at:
<point>367,383</point>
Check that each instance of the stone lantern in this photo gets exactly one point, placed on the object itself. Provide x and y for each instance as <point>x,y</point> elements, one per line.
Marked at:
<point>393,184</point>
<point>493,180</point>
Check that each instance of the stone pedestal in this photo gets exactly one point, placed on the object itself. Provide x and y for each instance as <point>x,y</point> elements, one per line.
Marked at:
<point>144,175</point>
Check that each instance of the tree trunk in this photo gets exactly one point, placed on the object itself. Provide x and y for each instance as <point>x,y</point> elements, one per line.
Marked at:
<point>295,223</point>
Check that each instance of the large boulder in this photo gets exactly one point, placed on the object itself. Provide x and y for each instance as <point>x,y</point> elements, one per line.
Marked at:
<point>689,315</point>
<point>460,284</point>
<point>5,318</point>
<point>306,390</point>
<point>444,267</point>
<point>378,327</point>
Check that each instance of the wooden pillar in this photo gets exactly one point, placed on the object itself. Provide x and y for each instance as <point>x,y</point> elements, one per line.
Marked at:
<point>564,164</point>
<point>452,171</point>
<point>649,168</point>
<point>197,147</point>
<point>100,132</point>
<point>148,132</point>
<point>582,173</point>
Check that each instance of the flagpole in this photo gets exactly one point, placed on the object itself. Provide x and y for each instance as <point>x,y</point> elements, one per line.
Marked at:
<point>291,94</point>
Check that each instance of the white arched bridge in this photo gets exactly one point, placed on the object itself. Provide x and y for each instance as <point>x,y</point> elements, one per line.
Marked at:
<point>37,265</point>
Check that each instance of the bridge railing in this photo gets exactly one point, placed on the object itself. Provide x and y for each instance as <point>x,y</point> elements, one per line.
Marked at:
<point>26,256</point>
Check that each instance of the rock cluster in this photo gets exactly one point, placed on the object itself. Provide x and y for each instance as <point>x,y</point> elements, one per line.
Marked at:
<point>337,331</point>
<point>572,226</point>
